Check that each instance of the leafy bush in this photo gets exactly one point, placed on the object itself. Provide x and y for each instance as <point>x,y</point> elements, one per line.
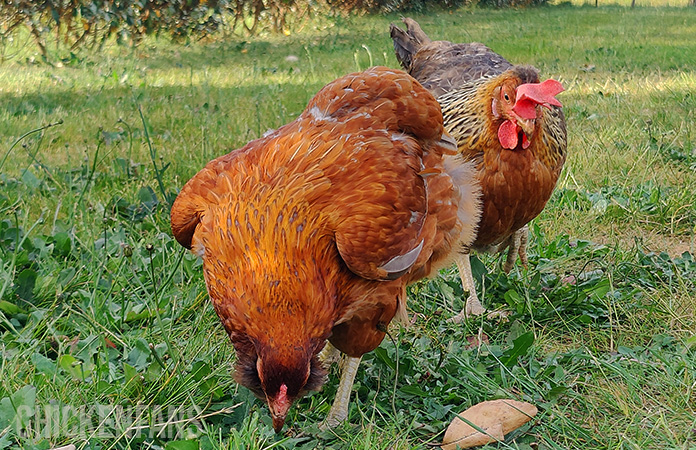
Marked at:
<point>250,15</point>
<point>511,3</point>
<point>77,23</point>
<point>375,6</point>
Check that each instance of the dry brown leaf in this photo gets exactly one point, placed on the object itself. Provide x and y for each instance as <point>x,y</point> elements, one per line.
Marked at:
<point>495,417</point>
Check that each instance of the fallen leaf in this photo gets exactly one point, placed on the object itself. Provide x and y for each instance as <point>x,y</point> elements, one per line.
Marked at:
<point>494,418</point>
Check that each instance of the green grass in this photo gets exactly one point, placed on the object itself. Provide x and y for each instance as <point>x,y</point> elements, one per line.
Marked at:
<point>101,307</point>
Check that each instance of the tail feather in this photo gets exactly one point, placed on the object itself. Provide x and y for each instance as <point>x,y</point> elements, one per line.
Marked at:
<point>407,43</point>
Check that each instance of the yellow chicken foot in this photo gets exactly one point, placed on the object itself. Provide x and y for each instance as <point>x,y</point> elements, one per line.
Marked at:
<point>473,304</point>
<point>516,245</point>
<point>339,410</point>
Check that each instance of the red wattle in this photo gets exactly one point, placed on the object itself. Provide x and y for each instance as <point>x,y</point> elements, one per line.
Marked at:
<point>507,134</point>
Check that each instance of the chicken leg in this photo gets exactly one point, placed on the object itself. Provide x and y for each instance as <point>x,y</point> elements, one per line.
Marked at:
<point>339,410</point>
<point>473,304</point>
<point>516,245</point>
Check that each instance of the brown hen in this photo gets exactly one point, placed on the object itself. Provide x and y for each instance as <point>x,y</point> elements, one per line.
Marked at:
<point>510,125</point>
<point>312,232</point>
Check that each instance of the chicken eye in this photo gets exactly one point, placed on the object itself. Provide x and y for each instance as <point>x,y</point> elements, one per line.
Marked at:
<point>506,97</point>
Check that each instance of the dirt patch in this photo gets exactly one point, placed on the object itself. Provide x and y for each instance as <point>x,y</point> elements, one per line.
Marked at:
<point>651,241</point>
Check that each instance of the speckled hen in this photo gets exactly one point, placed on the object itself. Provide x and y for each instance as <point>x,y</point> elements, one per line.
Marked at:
<point>506,122</point>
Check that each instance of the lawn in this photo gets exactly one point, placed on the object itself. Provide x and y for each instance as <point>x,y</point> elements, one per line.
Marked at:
<point>108,339</point>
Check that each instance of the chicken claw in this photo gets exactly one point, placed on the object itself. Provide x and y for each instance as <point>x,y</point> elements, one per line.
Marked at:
<point>473,304</point>
<point>516,245</point>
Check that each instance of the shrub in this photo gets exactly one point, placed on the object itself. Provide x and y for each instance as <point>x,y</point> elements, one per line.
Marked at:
<point>511,3</point>
<point>76,23</point>
<point>376,6</point>
<point>73,24</point>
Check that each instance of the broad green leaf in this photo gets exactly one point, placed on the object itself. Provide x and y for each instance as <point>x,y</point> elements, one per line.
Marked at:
<point>30,180</point>
<point>106,388</point>
<point>62,244</point>
<point>130,372</point>
<point>7,412</point>
<point>153,372</point>
<point>519,348</point>
<point>600,289</point>
<point>147,195</point>
<point>43,364</point>
<point>88,347</point>
<point>10,308</point>
<point>72,366</point>
<point>16,410</point>
<point>412,389</point>
<point>513,298</point>
<point>25,282</point>
<point>383,356</point>
<point>140,354</point>
<point>24,400</point>
<point>133,316</point>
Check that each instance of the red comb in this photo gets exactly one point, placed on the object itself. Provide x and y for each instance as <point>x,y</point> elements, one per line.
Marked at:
<point>531,94</point>
<point>283,394</point>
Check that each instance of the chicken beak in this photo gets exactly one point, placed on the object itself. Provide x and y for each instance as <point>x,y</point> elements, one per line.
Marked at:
<point>278,421</point>
<point>279,407</point>
<point>527,126</point>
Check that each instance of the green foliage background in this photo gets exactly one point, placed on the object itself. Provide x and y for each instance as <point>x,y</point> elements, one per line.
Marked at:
<point>76,24</point>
